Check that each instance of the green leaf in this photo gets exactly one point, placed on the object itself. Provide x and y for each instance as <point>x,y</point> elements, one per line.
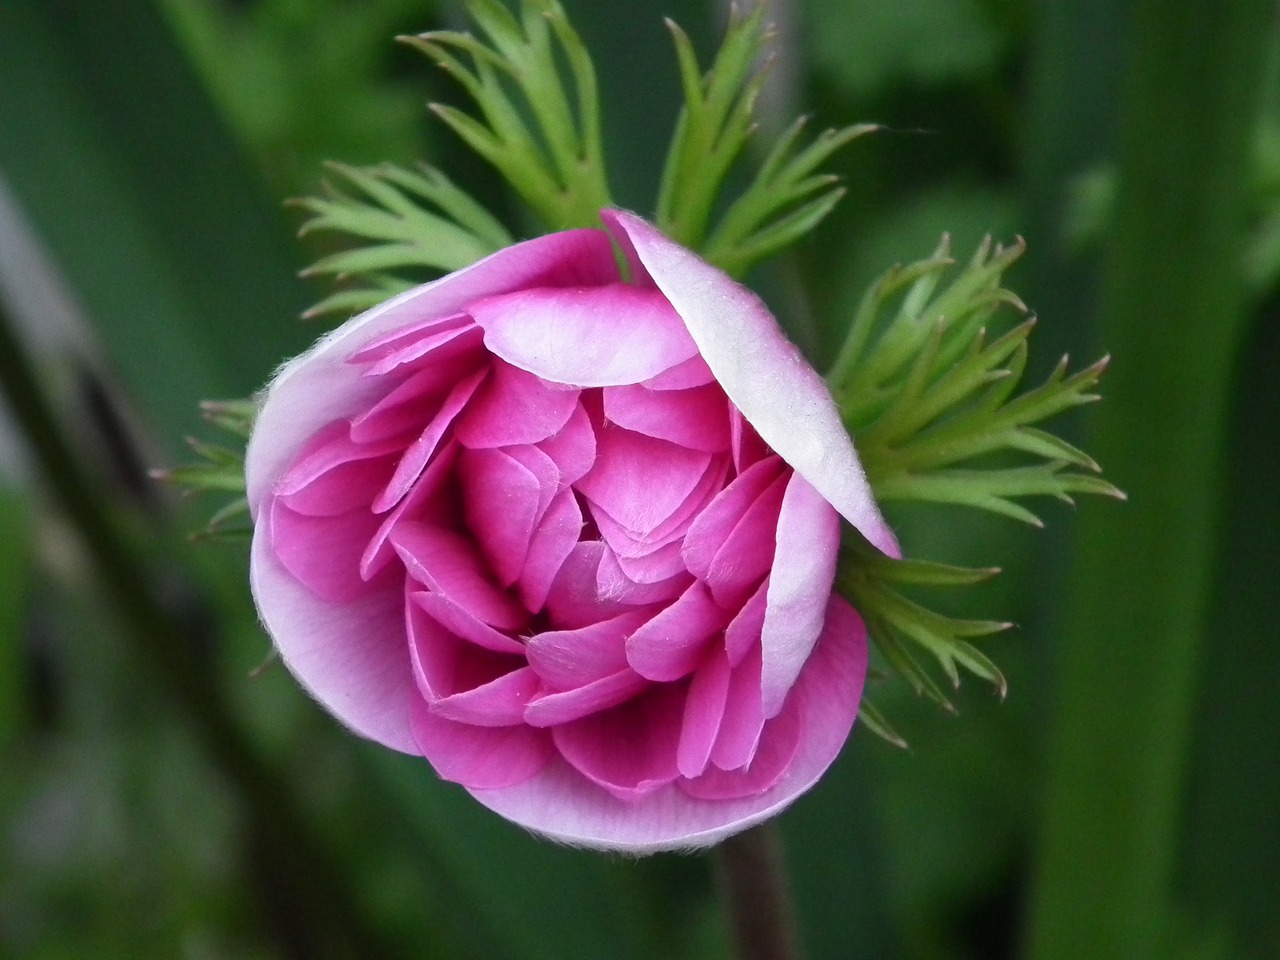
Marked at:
<point>539,123</point>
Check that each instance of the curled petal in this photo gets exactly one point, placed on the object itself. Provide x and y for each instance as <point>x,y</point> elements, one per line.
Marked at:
<point>763,373</point>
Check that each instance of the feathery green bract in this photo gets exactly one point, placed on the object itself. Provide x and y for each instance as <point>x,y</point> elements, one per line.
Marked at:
<point>542,134</point>
<point>219,468</point>
<point>404,242</point>
<point>927,395</point>
<point>901,628</point>
<point>786,199</point>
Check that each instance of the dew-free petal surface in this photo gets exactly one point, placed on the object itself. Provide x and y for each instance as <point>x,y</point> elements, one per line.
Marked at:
<point>763,373</point>
<point>561,803</point>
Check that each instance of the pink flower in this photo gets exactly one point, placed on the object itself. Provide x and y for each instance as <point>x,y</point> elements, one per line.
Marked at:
<point>572,539</point>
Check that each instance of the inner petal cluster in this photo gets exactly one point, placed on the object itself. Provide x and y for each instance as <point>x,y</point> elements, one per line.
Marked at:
<point>585,570</point>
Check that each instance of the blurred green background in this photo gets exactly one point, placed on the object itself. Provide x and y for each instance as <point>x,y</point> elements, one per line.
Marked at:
<point>161,798</point>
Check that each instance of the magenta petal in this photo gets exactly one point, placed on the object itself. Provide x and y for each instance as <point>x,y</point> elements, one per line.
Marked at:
<point>673,644</point>
<point>498,703</point>
<point>514,407</point>
<point>500,499</point>
<point>713,525</point>
<point>572,658</point>
<point>463,681</point>
<point>479,757</point>
<point>334,474</point>
<point>462,623</point>
<point>743,720</point>
<point>573,449</point>
<point>779,743</point>
<point>592,337</point>
<point>693,372</point>
<point>549,548</point>
<point>803,571</point>
<point>763,373</point>
<point>447,563</point>
<point>703,711</point>
<point>406,408</point>
<point>409,342</point>
<point>574,600</point>
<point>552,709</point>
<point>561,804</point>
<point>322,552</point>
<point>613,583</point>
<point>428,501</point>
<point>743,632</point>
<point>639,481</point>
<point>631,749</point>
<point>352,657</point>
<point>415,458</point>
<point>747,554</point>
<point>697,418</point>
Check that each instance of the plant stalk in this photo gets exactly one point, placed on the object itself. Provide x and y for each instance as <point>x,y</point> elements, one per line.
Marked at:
<point>750,871</point>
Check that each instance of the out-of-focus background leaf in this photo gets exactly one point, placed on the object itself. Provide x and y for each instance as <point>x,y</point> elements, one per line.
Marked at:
<point>149,145</point>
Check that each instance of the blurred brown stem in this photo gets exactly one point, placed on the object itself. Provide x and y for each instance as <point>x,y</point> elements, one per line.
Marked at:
<point>751,874</point>
<point>163,642</point>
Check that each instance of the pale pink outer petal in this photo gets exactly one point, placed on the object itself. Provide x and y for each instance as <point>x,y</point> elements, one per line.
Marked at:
<point>351,657</point>
<point>562,804</point>
<point>804,567</point>
<point>763,373</point>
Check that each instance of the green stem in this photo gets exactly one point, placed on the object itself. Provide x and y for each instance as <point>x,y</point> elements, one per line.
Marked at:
<point>1139,588</point>
<point>751,874</point>
<point>162,641</point>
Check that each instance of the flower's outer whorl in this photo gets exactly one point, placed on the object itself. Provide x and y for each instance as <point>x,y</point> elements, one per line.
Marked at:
<point>571,539</point>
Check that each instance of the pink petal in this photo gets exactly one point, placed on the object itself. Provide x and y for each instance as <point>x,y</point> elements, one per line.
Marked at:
<point>593,337</point>
<point>320,387</point>
<point>351,657</point>
<point>479,757</point>
<point>697,418</point>
<point>639,481</point>
<point>462,681</point>
<point>613,583</point>
<point>673,644</point>
<point>743,632</point>
<point>553,709</point>
<point>447,563</point>
<point>743,720</point>
<point>416,457</point>
<point>407,408</point>
<point>629,750</point>
<point>703,710</point>
<point>562,804</point>
<point>322,552</point>
<point>779,743</point>
<point>334,474</point>
<point>429,501</point>
<point>549,548</point>
<point>420,332</point>
<point>462,623</point>
<point>574,600</point>
<point>748,552</point>
<point>500,500</point>
<point>693,372</point>
<point>763,373</point>
<point>457,343</point>
<point>660,565</point>
<point>572,658</point>
<point>804,569</point>
<point>514,407</point>
<point>573,449</point>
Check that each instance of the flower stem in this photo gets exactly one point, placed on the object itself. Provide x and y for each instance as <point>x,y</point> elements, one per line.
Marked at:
<point>751,875</point>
